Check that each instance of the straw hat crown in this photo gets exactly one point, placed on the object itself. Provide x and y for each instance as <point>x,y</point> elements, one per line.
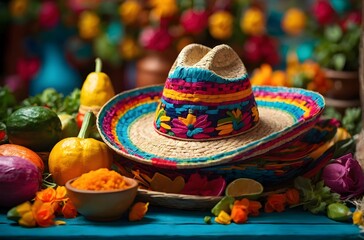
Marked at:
<point>207,96</point>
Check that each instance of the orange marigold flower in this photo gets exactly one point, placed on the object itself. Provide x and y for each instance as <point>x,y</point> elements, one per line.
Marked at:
<point>43,213</point>
<point>46,195</point>
<point>292,196</point>
<point>254,207</point>
<point>244,202</point>
<point>61,193</point>
<point>138,211</point>
<point>69,210</point>
<point>239,213</point>
<point>275,202</point>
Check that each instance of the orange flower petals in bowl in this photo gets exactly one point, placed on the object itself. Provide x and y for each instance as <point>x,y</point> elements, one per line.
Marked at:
<point>102,195</point>
<point>101,179</point>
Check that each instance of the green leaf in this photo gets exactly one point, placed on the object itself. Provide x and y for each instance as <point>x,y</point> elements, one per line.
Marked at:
<point>339,61</point>
<point>333,33</point>
<point>343,147</point>
<point>316,208</point>
<point>331,112</point>
<point>71,102</point>
<point>352,120</point>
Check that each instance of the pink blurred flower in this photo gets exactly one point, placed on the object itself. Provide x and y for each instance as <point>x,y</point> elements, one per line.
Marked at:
<point>323,12</point>
<point>14,83</point>
<point>260,49</point>
<point>344,176</point>
<point>49,14</point>
<point>27,67</point>
<point>352,18</point>
<point>155,39</point>
<point>194,21</point>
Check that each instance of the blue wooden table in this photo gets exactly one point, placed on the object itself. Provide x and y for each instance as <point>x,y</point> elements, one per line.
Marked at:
<point>163,223</point>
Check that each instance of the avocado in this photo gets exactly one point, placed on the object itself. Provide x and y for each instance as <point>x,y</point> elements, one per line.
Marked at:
<point>38,128</point>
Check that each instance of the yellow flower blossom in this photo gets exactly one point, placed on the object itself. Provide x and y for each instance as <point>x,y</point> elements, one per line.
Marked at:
<point>89,25</point>
<point>163,9</point>
<point>253,22</point>
<point>27,220</point>
<point>23,215</point>
<point>223,218</point>
<point>266,76</point>
<point>294,21</point>
<point>129,11</point>
<point>18,8</point>
<point>129,49</point>
<point>221,25</point>
<point>358,218</point>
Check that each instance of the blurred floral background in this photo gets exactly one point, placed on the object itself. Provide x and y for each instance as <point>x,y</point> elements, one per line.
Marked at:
<point>286,43</point>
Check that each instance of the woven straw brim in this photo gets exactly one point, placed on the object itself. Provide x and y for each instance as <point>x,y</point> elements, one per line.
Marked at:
<point>126,125</point>
<point>303,156</point>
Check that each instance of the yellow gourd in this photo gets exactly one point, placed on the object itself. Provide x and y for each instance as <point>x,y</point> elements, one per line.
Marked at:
<point>96,90</point>
<point>74,156</point>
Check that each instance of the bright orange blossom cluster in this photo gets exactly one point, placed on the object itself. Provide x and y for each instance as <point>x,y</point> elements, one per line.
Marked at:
<point>241,209</point>
<point>48,203</point>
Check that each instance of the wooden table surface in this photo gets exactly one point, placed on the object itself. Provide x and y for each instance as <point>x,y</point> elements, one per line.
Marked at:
<point>165,223</point>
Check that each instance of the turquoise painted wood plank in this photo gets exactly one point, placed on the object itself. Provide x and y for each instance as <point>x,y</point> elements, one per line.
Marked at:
<point>163,223</point>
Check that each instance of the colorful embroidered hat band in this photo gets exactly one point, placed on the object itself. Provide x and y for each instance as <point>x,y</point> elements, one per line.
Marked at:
<point>203,101</point>
<point>192,107</point>
<point>198,102</point>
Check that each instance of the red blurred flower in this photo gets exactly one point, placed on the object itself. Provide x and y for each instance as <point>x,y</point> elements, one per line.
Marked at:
<point>27,67</point>
<point>275,202</point>
<point>292,196</point>
<point>69,210</point>
<point>155,38</point>
<point>261,49</point>
<point>323,12</point>
<point>49,14</point>
<point>352,18</point>
<point>194,21</point>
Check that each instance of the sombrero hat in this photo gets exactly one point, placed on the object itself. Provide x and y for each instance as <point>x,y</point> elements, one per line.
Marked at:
<point>206,114</point>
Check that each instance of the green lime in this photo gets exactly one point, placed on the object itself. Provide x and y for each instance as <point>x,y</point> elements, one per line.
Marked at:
<point>244,188</point>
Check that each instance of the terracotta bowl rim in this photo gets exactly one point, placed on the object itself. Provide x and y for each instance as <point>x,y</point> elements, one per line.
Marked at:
<point>134,184</point>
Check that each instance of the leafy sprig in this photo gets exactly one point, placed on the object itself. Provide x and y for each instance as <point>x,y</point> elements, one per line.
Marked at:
<point>7,103</point>
<point>315,197</point>
<point>55,101</point>
<point>351,119</point>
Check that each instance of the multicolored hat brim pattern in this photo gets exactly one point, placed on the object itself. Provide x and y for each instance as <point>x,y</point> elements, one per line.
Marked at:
<point>126,125</point>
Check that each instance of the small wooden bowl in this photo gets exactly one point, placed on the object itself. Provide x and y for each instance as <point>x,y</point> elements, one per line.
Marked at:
<point>103,205</point>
